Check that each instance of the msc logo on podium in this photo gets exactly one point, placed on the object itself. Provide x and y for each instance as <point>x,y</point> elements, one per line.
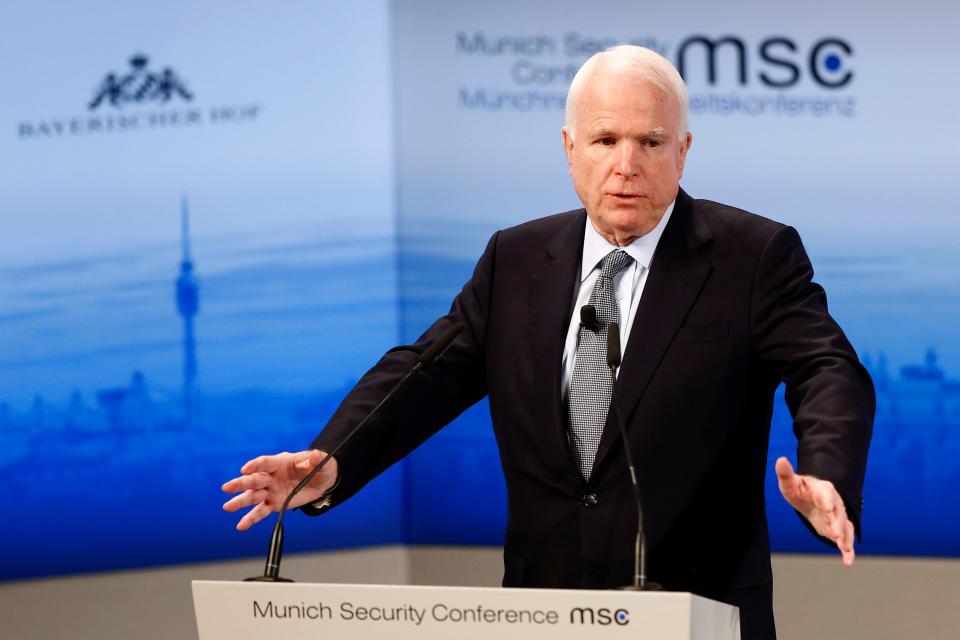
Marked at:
<point>602,616</point>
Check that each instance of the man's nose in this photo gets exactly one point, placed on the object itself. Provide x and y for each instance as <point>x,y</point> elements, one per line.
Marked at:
<point>628,159</point>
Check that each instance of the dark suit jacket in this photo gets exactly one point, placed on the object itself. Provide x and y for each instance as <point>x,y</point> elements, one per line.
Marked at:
<point>728,311</point>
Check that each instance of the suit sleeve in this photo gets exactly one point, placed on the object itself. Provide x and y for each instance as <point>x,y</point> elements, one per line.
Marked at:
<point>829,393</point>
<point>430,399</point>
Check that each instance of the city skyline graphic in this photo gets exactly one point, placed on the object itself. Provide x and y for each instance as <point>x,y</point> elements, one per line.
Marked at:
<point>159,436</point>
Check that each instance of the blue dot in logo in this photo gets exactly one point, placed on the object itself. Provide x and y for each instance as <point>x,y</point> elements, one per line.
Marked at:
<point>621,616</point>
<point>832,62</point>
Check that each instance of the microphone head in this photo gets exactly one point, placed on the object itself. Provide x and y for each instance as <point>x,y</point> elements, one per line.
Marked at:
<point>613,345</point>
<point>588,317</point>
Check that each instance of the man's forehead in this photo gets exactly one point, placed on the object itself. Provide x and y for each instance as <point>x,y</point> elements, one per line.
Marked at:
<point>633,95</point>
<point>608,83</point>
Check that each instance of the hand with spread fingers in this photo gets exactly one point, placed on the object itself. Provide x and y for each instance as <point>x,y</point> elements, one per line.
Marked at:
<point>820,503</point>
<point>267,480</point>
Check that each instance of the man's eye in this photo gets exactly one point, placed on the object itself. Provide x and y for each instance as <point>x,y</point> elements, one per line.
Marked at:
<point>652,143</point>
<point>607,141</point>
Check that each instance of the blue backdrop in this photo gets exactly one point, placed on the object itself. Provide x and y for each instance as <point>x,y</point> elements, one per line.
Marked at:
<point>216,217</point>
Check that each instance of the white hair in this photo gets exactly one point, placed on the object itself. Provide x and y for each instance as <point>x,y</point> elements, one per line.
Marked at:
<point>639,61</point>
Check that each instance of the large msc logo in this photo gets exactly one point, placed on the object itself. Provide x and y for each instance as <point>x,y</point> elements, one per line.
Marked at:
<point>602,616</point>
<point>782,63</point>
<point>139,85</point>
<point>777,66</point>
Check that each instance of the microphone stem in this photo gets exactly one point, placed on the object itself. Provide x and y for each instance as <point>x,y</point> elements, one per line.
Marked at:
<point>640,547</point>
<point>271,570</point>
<point>436,349</point>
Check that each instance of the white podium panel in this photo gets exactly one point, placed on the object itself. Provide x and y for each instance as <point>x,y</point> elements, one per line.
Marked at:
<point>293,611</point>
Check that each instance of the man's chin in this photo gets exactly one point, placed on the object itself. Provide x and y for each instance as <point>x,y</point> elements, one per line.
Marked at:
<point>629,220</point>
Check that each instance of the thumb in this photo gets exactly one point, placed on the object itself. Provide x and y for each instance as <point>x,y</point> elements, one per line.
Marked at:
<point>307,460</point>
<point>784,469</point>
<point>785,476</point>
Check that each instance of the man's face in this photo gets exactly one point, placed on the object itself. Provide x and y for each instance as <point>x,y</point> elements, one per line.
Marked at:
<point>626,155</point>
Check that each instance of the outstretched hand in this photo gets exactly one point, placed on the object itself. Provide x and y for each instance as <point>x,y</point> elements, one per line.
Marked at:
<point>267,480</point>
<point>818,501</point>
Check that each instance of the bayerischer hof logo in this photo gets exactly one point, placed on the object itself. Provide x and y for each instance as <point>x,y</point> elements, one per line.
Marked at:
<point>139,85</point>
<point>141,97</point>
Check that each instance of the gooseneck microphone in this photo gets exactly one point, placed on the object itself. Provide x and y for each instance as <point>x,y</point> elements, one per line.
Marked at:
<point>271,571</point>
<point>640,582</point>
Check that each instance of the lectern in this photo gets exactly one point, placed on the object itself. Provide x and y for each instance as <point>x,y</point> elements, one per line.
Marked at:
<point>296,611</point>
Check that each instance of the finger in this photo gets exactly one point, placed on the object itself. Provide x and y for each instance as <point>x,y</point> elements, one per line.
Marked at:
<point>245,483</point>
<point>831,507</point>
<point>843,523</point>
<point>846,547</point>
<point>245,499</point>
<point>821,509</point>
<point>826,525</point>
<point>264,463</point>
<point>825,498</point>
<point>254,516</point>
<point>233,485</point>
<point>840,512</point>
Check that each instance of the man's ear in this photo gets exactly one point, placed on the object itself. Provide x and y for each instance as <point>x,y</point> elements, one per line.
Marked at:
<point>568,146</point>
<point>682,159</point>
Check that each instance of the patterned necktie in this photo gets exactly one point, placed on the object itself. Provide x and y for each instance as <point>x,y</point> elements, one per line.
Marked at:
<point>591,386</point>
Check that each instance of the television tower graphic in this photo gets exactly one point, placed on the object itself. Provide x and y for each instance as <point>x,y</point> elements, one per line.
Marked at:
<point>188,301</point>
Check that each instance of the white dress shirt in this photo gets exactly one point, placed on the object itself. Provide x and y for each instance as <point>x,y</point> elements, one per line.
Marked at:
<point>628,284</point>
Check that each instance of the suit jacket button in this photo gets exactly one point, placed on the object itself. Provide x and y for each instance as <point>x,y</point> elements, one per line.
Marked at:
<point>590,500</point>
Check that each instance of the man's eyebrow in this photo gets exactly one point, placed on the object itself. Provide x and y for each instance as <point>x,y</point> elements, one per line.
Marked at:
<point>605,132</point>
<point>602,132</point>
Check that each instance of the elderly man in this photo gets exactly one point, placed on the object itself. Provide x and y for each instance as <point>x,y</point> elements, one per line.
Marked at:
<point>716,307</point>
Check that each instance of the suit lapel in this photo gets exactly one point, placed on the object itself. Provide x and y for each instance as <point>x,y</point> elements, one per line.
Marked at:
<point>677,274</point>
<point>552,286</point>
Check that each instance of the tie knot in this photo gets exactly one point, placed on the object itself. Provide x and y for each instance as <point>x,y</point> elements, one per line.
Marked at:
<point>614,262</point>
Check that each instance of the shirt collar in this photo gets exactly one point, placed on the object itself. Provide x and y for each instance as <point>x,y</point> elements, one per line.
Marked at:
<point>596,247</point>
